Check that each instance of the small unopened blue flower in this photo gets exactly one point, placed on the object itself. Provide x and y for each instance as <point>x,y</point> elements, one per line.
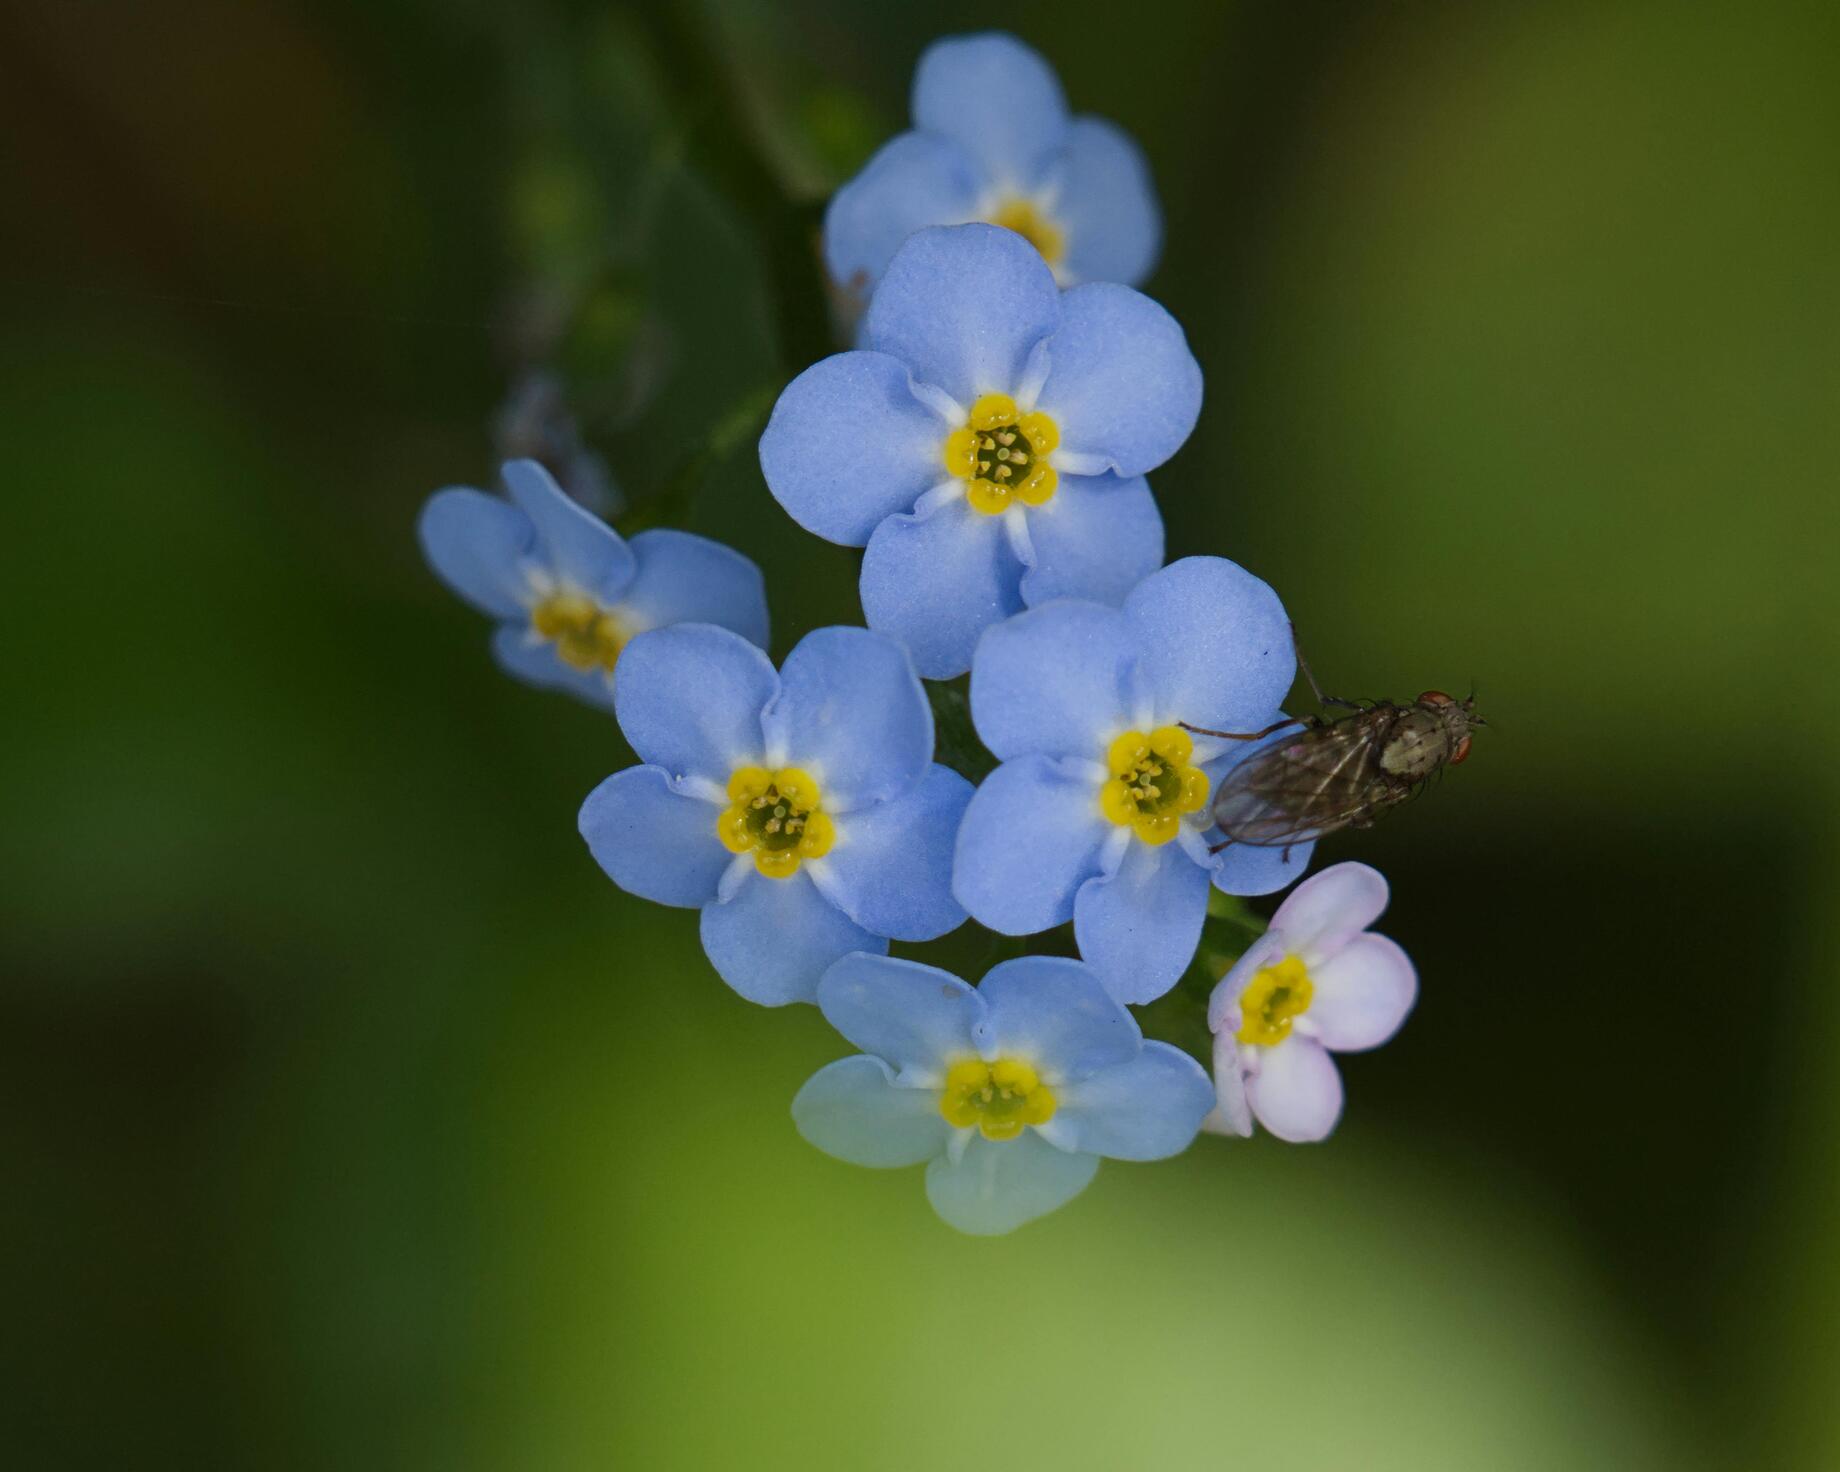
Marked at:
<point>988,446</point>
<point>1010,1093</point>
<point>992,141</point>
<point>800,811</point>
<point>1099,811</point>
<point>568,591</point>
<point>1317,982</point>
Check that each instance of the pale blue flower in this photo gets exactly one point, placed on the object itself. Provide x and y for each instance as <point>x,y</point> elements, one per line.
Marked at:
<point>989,444</point>
<point>568,591</point>
<point>1099,811</point>
<point>800,811</point>
<point>992,140</point>
<point>1010,1093</point>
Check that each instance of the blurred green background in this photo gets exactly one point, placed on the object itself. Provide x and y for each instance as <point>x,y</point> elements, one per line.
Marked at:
<point>350,1118</point>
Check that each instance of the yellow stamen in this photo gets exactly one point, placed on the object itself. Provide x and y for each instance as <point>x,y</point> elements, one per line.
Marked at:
<point>1152,787</point>
<point>586,635</point>
<point>1274,998</point>
<point>1001,455</point>
<point>777,817</point>
<point>1033,225</point>
<point>998,1098</point>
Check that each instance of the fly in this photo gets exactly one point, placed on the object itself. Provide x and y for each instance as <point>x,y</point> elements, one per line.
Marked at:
<point>1340,773</point>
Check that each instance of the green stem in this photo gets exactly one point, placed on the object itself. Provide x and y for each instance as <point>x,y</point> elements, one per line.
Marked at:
<point>725,148</point>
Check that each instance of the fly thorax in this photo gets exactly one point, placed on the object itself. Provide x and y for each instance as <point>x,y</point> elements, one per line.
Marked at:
<point>1416,746</point>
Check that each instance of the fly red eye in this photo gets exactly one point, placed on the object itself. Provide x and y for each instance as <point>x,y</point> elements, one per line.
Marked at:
<point>1461,751</point>
<point>1435,697</point>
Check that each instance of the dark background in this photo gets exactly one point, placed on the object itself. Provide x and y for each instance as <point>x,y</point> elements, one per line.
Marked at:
<point>350,1118</point>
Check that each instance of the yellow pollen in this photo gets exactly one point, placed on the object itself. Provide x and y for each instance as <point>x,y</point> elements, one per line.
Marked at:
<point>1002,455</point>
<point>1034,226</point>
<point>999,1098</point>
<point>1152,786</point>
<point>777,817</point>
<point>1272,1000</point>
<point>586,636</point>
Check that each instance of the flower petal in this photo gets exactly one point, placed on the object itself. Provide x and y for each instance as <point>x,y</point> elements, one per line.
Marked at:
<point>1217,647</point>
<point>851,711</point>
<point>891,869</point>
<point>773,938</point>
<point>854,1110</point>
<point>575,542</point>
<point>995,97</point>
<point>848,444</point>
<point>1106,204</point>
<point>477,544</point>
<point>916,1018</point>
<point>1029,838</point>
<point>1122,383</point>
<point>1138,927</point>
<point>652,841</point>
<point>682,578</point>
<point>996,1186</point>
<point>937,580</point>
<point>1231,1114</point>
<point>1097,538</point>
<point>914,180</point>
<point>1145,1109</point>
<point>535,662</point>
<point>1246,869</point>
<point>1329,909</point>
<point>1054,681</point>
<point>1363,993</point>
<point>1053,1012</point>
<point>690,697</point>
<point>1296,1092</point>
<point>962,306</point>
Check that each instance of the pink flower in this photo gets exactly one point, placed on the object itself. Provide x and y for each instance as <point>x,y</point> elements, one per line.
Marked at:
<point>1317,982</point>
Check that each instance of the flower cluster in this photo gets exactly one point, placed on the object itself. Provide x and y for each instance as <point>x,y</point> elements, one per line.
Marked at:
<point>985,442</point>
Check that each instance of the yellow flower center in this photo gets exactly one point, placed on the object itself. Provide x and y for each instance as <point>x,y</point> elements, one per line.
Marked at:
<point>999,1098</point>
<point>1272,1000</point>
<point>586,635</point>
<point>1002,455</point>
<point>1034,226</point>
<point>1152,786</point>
<point>775,816</point>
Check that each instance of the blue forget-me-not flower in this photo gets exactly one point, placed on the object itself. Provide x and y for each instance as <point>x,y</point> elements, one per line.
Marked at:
<point>801,810</point>
<point>992,141</point>
<point>568,591</point>
<point>988,446</point>
<point>1317,982</point>
<point>1009,1093</point>
<point>1099,811</point>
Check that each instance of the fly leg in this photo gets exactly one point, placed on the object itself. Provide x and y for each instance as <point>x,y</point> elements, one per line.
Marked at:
<point>1310,675</point>
<point>1246,735</point>
<point>1215,848</point>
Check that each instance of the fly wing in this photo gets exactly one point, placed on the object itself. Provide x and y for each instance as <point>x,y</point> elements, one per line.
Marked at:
<point>1297,790</point>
